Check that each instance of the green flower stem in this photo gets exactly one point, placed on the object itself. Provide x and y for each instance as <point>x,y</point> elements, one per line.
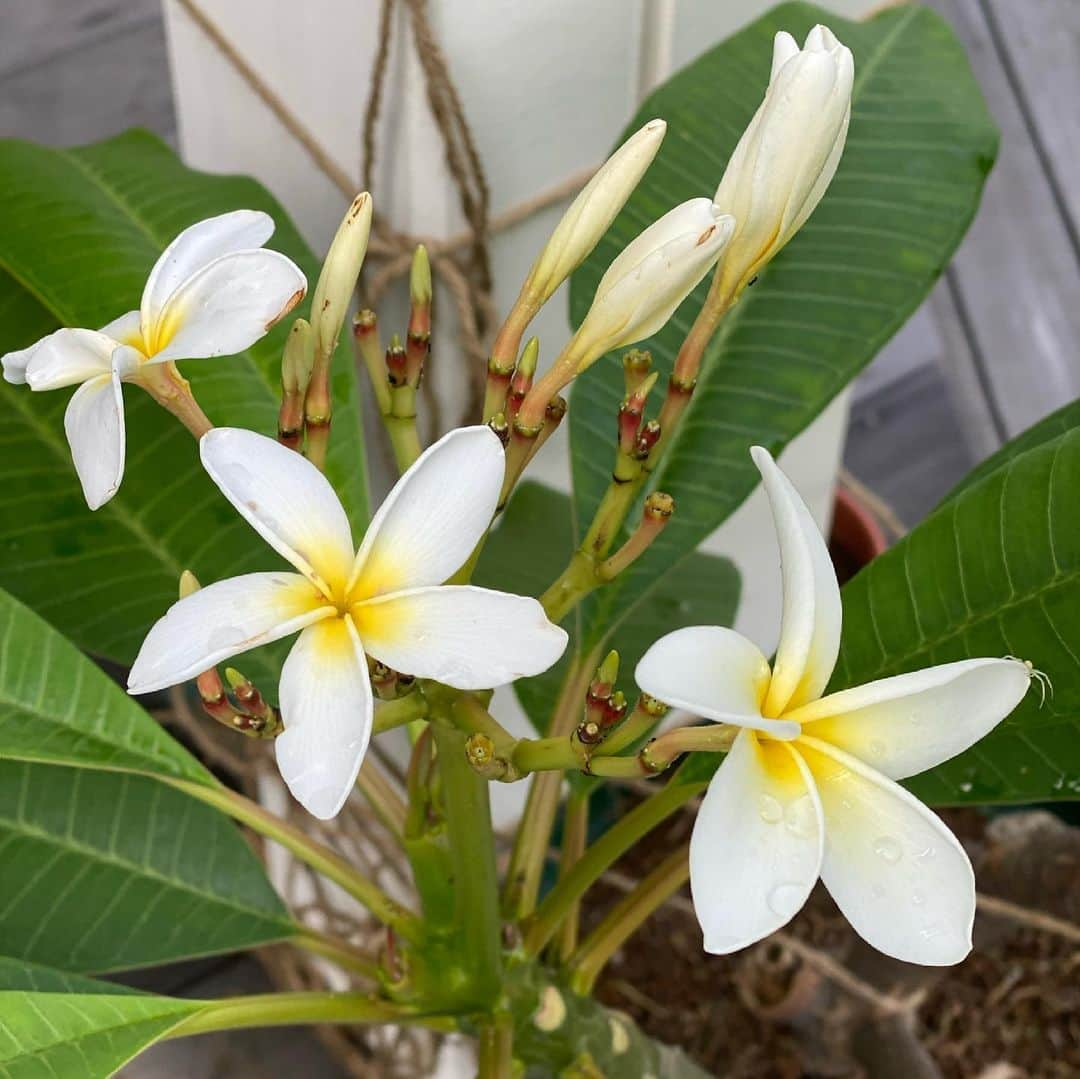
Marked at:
<point>472,854</point>
<point>396,713</point>
<point>534,832</point>
<point>339,951</point>
<point>310,851</point>
<point>626,917</point>
<point>400,425</point>
<point>287,1009</point>
<point>495,1048</point>
<point>599,857</point>
<point>575,837</point>
<point>470,716</point>
<point>384,800</point>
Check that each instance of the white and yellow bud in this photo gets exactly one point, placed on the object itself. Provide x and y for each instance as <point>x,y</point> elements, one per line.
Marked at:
<point>592,212</point>
<point>788,154</point>
<point>334,290</point>
<point>650,278</point>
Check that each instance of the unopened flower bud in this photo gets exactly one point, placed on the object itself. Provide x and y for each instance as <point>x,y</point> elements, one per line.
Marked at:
<point>420,277</point>
<point>522,380</point>
<point>648,437</point>
<point>592,212</point>
<point>636,365</point>
<point>630,414</point>
<point>334,290</point>
<point>395,362</point>
<point>189,584</point>
<point>498,423</point>
<point>297,359</point>
<point>650,278</point>
<point>788,154</point>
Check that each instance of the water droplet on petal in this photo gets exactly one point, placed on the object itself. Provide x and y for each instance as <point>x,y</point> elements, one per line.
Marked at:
<point>769,809</point>
<point>877,748</point>
<point>926,854</point>
<point>918,898</point>
<point>800,817</point>
<point>887,848</point>
<point>785,899</point>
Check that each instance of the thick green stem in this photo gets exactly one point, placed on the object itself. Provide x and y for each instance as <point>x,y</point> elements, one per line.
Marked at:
<point>390,714</point>
<point>472,854</point>
<point>599,857</point>
<point>626,917</point>
<point>310,851</point>
<point>287,1009</point>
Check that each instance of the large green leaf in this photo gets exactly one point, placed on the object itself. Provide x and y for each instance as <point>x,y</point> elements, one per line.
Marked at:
<point>79,231</point>
<point>993,571</point>
<point>57,707</point>
<point>37,978</point>
<point>81,1035</point>
<point>919,147</point>
<point>104,871</point>
<point>532,544</point>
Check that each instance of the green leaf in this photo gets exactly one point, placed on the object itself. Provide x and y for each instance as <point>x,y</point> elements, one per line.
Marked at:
<point>993,571</point>
<point>57,707</point>
<point>37,978</point>
<point>532,545</point>
<point>919,147</point>
<point>79,231</point>
<point>105,871</point>
<point>81,1035</point>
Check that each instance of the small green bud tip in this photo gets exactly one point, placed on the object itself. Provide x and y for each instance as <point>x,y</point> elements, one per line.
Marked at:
<point>420,276</point>
<point>608,671</point>
<point>530,354</point>
<point>234,678</point>
<point>395,344</point>
<point>647,384</point>
<point>298,357</point>
<point>189,584</point>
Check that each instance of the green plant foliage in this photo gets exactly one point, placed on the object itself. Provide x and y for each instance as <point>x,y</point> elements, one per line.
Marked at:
<point>531,546</point>
<point>36,978</point>
<point>920,145</point>
<point>79,231</point>
<point>57,707</point>
<point>81,1035</point>
<point>108,870</point>
<point>993,571</point>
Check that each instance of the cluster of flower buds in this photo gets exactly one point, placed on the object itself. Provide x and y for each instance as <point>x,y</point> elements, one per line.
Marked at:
<point>397,371</point>
<point>247,711</point>
<point>608,720</point>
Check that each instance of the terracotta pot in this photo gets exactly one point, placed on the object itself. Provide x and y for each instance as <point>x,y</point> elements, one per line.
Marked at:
<point>856,537</point>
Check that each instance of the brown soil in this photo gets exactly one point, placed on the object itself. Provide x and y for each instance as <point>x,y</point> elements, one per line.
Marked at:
<point>1011,1009</point>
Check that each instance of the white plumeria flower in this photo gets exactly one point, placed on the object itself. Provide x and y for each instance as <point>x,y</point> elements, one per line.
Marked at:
<point>387,599</point>
<point>809,788</point>
<point>788,154</point>
<point>650,277</point>
<point>213,292</point>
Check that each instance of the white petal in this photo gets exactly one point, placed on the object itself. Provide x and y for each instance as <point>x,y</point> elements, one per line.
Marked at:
<point>810,626</point>
<point>435,515</point>
<point>897,873</point>
<point>466,637</point>
<point>327,709</point>
<point>68,357</point>
<point>196,247</point>
<point>94,424</point>
<point>286,499</point>
<point>227,306</point>
<point>15,364</point>
<point>784,48</point>
<point>126,329</point>
<point>712,672</point>
<point>901,726</point>
<point>222,620</point>
<point>755,853</point>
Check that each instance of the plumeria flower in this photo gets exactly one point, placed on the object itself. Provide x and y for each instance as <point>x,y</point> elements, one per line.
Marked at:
<point>808,788</point>
<point>387,599</point>
<point>213,292</point>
